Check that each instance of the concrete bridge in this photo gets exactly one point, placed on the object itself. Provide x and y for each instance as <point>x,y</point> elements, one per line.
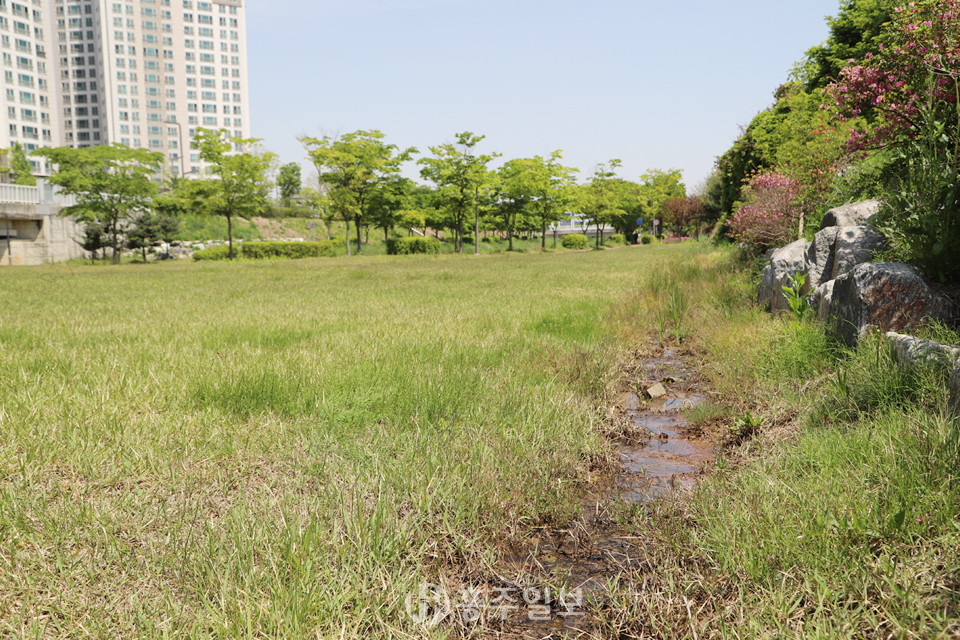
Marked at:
<point>32,231</point>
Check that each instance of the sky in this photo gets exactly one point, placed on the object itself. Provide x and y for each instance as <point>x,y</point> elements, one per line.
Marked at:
<point>658,85</point>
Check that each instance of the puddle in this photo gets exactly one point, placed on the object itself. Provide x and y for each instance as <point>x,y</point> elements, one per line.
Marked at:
<point>592,550</point>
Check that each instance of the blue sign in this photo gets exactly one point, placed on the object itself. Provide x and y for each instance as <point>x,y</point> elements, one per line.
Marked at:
<point>639,222</point>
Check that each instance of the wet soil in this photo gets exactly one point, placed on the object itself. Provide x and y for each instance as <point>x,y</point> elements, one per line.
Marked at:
<point>550,586</point>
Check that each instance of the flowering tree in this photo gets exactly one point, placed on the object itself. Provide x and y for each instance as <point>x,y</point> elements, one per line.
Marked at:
<point>910,91</point>
<point>770,213</point>
<point>915,70</point>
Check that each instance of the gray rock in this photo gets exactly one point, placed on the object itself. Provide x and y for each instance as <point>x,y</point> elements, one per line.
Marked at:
<point>821,298</point>
<point>886,295</point>
<point>819,259</point>
<point>912,351</point>
<point>850,215</point>
<point>855,245</point>
<point>784,262</point>
<point>954,406</point>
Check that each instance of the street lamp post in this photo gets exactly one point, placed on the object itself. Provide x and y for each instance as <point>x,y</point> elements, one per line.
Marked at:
<point>183,168</point>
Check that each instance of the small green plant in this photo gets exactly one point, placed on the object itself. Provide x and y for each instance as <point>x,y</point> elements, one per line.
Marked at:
<point>677,305</point>
<point>647,239</point>
<point>797,301</point>
<point>575,241</point>
<point>616,240</point>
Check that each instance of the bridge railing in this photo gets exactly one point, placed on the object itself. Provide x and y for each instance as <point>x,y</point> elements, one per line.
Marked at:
<point>43,193</point>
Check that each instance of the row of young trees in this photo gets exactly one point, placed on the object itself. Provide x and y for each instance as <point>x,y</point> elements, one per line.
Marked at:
<point>872,112</point>
<point>360,181</point>
<point>119,198</point>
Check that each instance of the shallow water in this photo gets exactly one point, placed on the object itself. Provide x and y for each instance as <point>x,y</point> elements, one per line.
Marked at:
<point>592,550</point>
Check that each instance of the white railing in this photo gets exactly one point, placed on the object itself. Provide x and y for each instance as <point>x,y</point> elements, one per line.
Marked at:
<point>20,194</point>
<point>43,193</point>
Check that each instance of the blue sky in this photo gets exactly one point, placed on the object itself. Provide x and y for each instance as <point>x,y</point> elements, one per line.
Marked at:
<point>656,84</point>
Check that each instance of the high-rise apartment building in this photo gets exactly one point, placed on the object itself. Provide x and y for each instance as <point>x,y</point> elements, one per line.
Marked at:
<point>145,73</point>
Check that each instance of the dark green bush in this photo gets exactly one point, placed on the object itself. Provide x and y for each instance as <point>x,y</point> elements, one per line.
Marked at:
<point>616,240</point>
<point>213,253</point>
<point>407,246</point>
<point>646,239</point>
<point>575,241</point>
<point>264,250</point>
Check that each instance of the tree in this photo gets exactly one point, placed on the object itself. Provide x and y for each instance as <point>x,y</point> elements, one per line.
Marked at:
<point>656,187</point>
<point>459,176</point>
<point>685,213</point>
<point>599,198</point>
<point>388,200</point>
<point>142,233</point>
<point>240,166</point>
<point>92,239</point>
<point>351,167</point>
<point>854,32</point>
<point>549,184</point>
<point>289,182</point>
<point>110,182</point>
<point>20,167</point>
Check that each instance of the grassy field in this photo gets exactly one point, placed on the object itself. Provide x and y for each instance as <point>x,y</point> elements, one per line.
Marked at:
<point>287,449</point>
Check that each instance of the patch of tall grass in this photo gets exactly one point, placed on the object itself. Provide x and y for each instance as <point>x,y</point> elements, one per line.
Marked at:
<point>840,515</point>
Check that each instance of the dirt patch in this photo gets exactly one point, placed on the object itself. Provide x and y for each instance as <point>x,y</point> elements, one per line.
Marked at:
<point>274,229</point>
<point>556,583</point>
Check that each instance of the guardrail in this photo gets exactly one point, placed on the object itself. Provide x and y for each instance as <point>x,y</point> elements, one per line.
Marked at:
<point>43,193</point>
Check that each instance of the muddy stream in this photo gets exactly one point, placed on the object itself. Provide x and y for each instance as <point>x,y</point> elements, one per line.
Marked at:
<point>544,589</point>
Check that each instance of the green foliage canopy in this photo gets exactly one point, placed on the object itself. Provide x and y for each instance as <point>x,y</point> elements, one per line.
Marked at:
<point>110,182</point>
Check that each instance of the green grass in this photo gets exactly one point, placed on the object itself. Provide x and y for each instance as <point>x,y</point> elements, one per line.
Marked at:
<point>834,511</point>
<point>288,448</point>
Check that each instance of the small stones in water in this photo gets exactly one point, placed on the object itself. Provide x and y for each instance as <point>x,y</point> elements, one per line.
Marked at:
<point>656,391</point>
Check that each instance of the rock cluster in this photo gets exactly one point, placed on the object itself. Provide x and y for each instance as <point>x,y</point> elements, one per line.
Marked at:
<point>854,295</point>
<point>847,290</point>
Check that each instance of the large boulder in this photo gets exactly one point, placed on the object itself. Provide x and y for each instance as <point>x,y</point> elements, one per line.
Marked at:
<point>819,259</point>
<point>821,298</point>
<point>854,245</point>
<point>955,391</point>
<point>850,215</point>
<point>784,262</point>
<point>909,350</point>
<point>886,295</point>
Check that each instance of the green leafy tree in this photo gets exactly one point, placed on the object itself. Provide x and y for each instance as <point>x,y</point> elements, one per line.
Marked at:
<point>550,186</point>
<point>111,183</point>
<point>351,168</point>
<point>20,167</point>
<point>599,199</point>
<point>656,188</point>
<point>389,199</point>
<point>460,177</point>
<point>240,167</point>
<point>289,182</point>
<point>855,31</point>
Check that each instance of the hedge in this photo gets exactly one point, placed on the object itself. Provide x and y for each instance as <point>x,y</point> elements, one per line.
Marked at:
<point>616,240</point>
<point>213,253</point>
<point>406,246</point>
<point>261,250</point>
<point>575,241</point>
<point>264,250</point>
